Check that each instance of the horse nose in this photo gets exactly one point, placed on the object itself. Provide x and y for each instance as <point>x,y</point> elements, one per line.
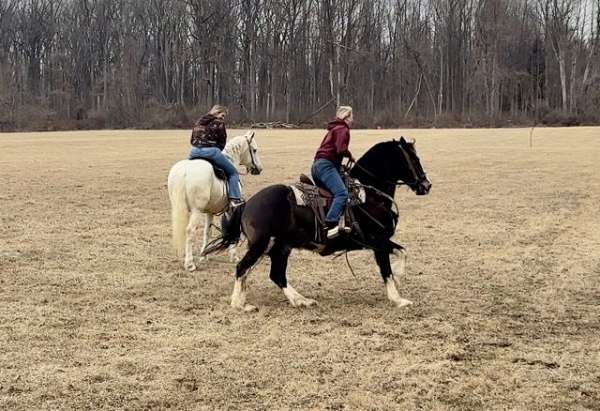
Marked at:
<point>427,185</point>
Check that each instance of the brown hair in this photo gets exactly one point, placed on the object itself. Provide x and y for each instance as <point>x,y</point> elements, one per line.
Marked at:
<point>217,109</point>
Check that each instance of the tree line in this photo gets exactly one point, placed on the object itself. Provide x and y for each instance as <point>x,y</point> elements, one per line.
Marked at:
<point>161,63</point>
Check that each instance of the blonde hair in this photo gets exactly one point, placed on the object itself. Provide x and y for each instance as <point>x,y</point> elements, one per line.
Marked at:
<point>343,112</point>
<point>217,109</point>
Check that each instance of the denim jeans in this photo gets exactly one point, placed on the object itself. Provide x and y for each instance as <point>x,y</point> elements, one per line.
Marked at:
<point>326,175</point>
<point>218,159</point>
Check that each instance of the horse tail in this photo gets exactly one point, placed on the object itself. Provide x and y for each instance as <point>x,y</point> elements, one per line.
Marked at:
<point>231,231</point>
<point>179,212</point>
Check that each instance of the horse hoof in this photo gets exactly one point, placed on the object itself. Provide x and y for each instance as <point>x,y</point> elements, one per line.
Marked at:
<point>309,302</point>
<point>248,308</point>
<point>304,302</point>
<point>403,303</point>
<point>190,267</point>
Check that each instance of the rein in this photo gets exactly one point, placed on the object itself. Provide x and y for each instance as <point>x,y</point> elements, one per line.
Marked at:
<point>394,213</point>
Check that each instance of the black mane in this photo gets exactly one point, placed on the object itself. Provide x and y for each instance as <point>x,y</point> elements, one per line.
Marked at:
<point>378,166</point>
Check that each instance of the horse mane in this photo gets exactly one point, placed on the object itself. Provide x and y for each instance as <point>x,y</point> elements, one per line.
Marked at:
<point>235,143</point>
<point>235,146</point>
<point>378,150</point>
<point>372,165</point>
<point>372,158</point>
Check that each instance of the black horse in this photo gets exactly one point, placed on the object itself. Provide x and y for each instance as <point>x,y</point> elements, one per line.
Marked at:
<point>274,224</point>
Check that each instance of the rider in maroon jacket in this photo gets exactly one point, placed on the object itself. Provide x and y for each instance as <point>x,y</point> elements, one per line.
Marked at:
<point>328,159</point>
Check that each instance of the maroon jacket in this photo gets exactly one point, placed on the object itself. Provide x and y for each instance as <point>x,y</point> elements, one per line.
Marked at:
<point>334,146</point>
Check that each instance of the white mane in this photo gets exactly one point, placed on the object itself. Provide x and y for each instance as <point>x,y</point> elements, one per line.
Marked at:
<point>235,147</point>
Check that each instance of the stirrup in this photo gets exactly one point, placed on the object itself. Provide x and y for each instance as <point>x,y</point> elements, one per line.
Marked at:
<point>340,228</point>
<point>235,202</point>
<point>333,232</point>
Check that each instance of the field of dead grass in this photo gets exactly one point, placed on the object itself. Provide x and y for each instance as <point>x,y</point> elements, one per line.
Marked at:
<point>504,265</point>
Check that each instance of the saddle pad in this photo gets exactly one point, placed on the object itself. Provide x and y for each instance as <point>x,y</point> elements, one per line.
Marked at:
<point>307,195</point>
<point>299,196</point>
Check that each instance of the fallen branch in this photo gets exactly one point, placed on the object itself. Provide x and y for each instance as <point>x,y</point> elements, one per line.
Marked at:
<point>273,124</point>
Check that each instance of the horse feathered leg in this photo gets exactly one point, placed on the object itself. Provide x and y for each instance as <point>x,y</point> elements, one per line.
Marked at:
<point>255,251</point>
<point>191,231</point>
<point>238,298</point>
<point>399,267</point>
<point>279,255</point>
<point>207,228</point>
<point>383,261</point>
<point>297,299</point>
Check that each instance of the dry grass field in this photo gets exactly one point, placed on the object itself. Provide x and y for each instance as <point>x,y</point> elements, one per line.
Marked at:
<point>504,265</point>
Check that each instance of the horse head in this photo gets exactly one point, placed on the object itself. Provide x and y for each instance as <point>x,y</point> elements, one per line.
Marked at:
<point>410,170</point>
<point>393,163</point>
<point>250,156</point>
<point>243,150</point>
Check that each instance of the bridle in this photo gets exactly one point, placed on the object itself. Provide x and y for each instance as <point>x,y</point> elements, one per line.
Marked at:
<point>252,155</point>
<point>411,167</point>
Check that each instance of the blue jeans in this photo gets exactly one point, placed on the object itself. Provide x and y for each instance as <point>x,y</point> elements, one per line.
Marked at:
<point>326,175</point>
<point>218,159</point>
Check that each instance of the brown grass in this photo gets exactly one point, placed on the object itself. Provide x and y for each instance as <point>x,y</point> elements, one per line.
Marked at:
<point>96,313</point>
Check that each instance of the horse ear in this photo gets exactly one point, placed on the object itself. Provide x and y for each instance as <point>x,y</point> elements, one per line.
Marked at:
<point>251,135</point>
<point>402,141</point>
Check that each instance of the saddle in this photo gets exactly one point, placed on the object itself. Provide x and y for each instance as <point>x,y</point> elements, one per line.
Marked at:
<point>219,172</point>
<point>307,194</point>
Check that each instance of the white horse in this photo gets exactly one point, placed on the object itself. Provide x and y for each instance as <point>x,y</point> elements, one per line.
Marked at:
<point>195,190</point>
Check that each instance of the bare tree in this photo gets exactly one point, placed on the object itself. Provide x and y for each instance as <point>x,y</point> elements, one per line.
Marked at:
<point>152,62</point>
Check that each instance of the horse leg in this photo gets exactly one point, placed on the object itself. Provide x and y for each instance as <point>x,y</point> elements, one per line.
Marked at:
<point>190,238</point>
<point>399,267</point>
<point>255,251</point>
<point>207,227</point>
<point>279,255</point>
<point>233,255</point>
<point>383,261</point>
